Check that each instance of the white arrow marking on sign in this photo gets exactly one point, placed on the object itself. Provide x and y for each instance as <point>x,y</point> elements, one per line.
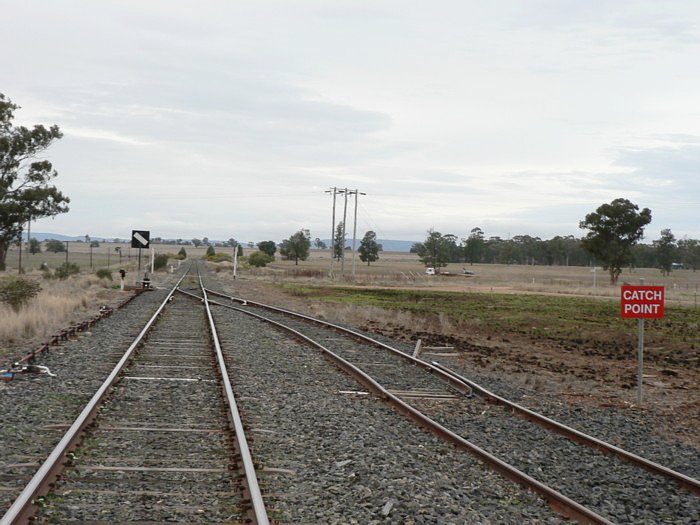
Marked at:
<point>140,238</point>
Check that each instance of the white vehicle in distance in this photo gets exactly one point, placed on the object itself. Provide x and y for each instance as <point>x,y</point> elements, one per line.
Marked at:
<point>430,271</point>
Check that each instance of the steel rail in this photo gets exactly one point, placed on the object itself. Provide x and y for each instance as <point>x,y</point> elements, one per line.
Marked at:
<point>557,501</point>
<point>686,482</point>
<point>258,505</point>
<point>460,385</point>
<point>24,506</point>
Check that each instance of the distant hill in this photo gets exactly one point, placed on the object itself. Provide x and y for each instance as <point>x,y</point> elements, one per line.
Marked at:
<point>388,245</point>
<point>40,236</point>
<point>396,246</point>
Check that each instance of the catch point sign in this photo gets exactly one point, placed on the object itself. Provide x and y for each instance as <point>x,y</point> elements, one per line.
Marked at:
<point>642,302</point>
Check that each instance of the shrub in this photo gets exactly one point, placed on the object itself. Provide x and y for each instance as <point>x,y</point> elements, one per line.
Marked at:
<point>160,261</point>
<point>259,259</point>
<point>17,292</point>
<point>55,246</point>
<point>219,257</point>
<point>104,273</point>
<point>66,270</point>
<point>34,246</point>
<point>211,251</point>
<point>182,254</point>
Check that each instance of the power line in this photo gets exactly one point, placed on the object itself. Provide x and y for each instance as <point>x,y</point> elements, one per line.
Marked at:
<point>344,192</point>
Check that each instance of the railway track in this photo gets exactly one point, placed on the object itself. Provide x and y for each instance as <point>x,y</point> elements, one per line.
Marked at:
<point>581,477</point>
<point>327,451</point>
<point>161,440</point>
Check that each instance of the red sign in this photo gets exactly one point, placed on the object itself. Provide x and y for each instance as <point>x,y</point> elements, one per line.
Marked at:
<point>642,302</point>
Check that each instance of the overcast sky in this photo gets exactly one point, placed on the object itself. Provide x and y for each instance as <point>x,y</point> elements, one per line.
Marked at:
<point>230,119</point>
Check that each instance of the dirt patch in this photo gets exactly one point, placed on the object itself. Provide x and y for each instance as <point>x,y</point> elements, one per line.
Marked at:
<point>599,373</point>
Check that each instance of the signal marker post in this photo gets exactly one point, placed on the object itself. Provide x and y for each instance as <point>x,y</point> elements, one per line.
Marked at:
<point>140,239</point>
<point>641,302</point>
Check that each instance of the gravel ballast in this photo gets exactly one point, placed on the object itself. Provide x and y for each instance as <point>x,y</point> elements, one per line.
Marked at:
<point>335,457</point>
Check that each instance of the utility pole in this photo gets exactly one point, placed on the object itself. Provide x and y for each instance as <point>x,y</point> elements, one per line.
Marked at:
<point>342,240</point>
<point>354,229</point>
<point>235,258</point>
<point>20,252</point>
<point>334,191</point>
<point>29,240</point>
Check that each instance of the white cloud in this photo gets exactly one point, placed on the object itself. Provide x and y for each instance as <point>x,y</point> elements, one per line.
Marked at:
<point>217,116</point>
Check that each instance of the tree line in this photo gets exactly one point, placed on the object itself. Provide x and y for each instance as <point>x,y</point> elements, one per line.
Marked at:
<point>612,242</point>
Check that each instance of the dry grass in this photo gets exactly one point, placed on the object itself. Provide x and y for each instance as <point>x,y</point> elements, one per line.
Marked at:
<point>364,315</point>
<point>58,304</point>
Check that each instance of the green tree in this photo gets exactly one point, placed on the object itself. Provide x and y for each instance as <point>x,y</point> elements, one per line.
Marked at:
<point>24,189</point>
<point>319,244</point>
<point>296,247</point>
<point>259,259</point>
<point>52,245</point>
<point>454,252</point>
<point>665,249</point>
<point>268,247</point>
<point>369,249</point>
<point>614,229</point>
<point>197,242</point>
<point>34,246</point>
<point>211,251</point>
<point>182,254</point>
<point>690,253</point>
<point>474,246</point>
<point>338,241</point>
<point>436,250</point>
<point>94,244</point>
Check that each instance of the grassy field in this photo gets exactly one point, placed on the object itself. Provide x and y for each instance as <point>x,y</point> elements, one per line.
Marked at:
<point>569,321</point>
<point>567,304</point>
<point>393,270</point>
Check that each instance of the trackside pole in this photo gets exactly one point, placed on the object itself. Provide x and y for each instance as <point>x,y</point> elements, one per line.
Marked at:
<point>641,302</point>
<point>640,354</point>
<point>640,360</point>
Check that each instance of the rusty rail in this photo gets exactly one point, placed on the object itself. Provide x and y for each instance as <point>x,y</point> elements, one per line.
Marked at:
<point>259,514</point>
<point>685,482</point>
<point>458,384</point>
<point>24,507</point>
<point>557,501</point>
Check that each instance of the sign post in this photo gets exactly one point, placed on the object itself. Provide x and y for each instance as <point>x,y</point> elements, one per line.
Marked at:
<point>140,239</point>
<point>641,302</point>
